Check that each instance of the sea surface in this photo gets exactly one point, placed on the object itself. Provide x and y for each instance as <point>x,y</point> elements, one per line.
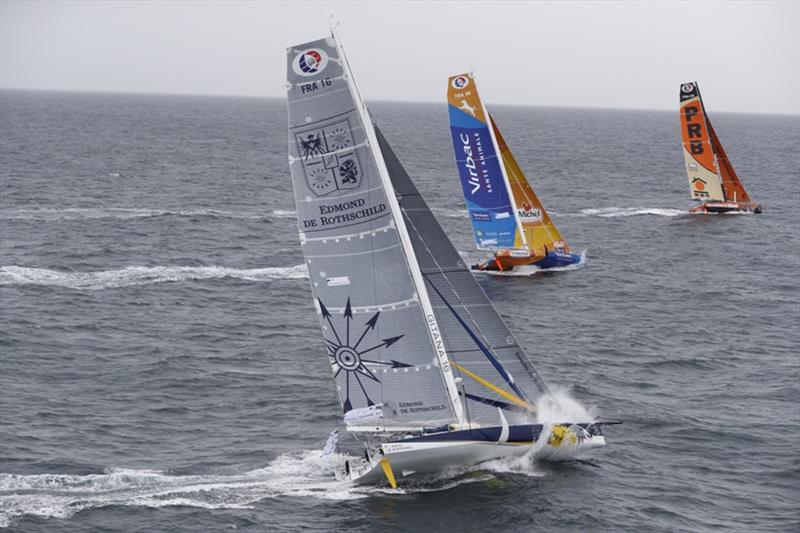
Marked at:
<point>161,366</point>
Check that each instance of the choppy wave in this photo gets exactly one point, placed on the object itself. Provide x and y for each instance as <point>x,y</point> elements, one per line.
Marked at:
<point>47,214</point>
<point>141,275</point>
<point>299,474</point>
<point>451,213</point>
<point>611,212</point>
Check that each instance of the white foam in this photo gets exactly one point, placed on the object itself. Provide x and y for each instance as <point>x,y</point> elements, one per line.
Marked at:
<point>558,407</point>
<point>57,495</point>
<point>297,474</point>
<point>611,212</point>
<point>451,213</point>
<point>141,275</point>
<point>125,213</point>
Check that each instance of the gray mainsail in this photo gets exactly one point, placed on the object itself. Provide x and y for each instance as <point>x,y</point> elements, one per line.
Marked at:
<point>382,342</point>
<point>494,369</point>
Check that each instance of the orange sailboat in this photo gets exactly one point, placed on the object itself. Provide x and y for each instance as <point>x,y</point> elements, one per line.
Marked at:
<point>507,217</point>
<point>712,178</point>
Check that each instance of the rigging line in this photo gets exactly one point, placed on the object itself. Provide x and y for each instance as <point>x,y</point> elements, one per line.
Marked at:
<point>516,400</point>
<point>521,355</point>
<point>498,365</point>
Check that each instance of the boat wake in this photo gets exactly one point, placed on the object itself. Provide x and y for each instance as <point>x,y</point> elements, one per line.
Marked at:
<point>141,275</point>
<point>613,212</point>
<point>296,474</point>
<point>46,214</point>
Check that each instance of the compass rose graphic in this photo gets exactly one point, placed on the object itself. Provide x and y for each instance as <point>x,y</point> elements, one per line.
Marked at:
<point>349,357</point>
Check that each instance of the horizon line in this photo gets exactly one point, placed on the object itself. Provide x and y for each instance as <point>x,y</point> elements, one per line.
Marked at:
<point>264,97</point>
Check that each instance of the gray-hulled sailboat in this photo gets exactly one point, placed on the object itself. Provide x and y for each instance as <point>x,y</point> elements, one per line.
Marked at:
<point>427,373</point>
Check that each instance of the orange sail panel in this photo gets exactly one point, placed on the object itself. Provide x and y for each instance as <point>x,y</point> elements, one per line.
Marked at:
<point>536,223</point>
<point>701,163</point>
<point>731,186</point>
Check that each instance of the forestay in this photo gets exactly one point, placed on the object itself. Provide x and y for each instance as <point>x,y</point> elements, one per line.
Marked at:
<point>378,340</point>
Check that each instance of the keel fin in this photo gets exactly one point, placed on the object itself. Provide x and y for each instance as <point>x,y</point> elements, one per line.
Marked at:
<point>387,470</point>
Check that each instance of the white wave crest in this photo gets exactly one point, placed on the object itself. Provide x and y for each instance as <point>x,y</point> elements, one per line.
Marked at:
<point>451,213</point>
<point>141,275</point>
<point>47,214</point>
<point>611,212</point>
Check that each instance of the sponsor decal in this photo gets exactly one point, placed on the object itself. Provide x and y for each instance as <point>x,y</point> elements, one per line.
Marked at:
<point>310,62</point>
<point>468,108</point>
<point>481,216</point>
<point>699,188</point>
<point>500,216</point>
<point>528,213</point>
<point>329,158</point>
<point>349,356</point>
<point>687,87</point>
<point>459,82</point>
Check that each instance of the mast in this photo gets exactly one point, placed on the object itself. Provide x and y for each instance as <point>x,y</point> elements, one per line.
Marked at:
<point>502,166</point>
<point>405,240</point>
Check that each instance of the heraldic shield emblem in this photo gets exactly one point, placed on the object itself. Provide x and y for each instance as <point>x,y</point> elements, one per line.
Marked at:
<point>329,158</point>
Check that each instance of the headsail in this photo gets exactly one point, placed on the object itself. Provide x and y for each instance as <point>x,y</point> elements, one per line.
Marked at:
<point>698,151</point>
<point>494,368</point>
<point>494,219</point>
<point>381,343</point>
<point>731,186</point>
<point>540,231</point>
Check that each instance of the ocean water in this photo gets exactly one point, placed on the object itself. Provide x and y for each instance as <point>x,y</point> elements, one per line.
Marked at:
<point>161,366</point>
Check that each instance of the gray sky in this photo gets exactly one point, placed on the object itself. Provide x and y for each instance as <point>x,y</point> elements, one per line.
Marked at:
<point>746,55</point>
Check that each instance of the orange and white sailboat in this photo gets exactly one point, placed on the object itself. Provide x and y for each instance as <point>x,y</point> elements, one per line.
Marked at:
<point>712,178</point>
<point>507,217</point>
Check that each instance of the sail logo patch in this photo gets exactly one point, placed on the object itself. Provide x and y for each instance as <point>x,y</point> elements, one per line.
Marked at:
<point>459,82</point>
<point>687,87</point>
<point>349,357</point>
<point>528,213</point>
<point>329,158</point>
<point>699,188</point>
<point>310,62</point>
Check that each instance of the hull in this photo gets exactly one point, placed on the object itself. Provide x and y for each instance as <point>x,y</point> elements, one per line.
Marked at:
<point>558,259</point>
<point>553,259</point>
<point>726,207</point>
<point>426,455</point>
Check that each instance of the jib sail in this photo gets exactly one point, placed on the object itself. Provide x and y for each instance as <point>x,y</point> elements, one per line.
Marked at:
<point>538,227</point>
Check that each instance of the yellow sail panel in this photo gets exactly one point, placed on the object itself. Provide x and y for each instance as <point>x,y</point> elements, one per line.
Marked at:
<point>536,223</point>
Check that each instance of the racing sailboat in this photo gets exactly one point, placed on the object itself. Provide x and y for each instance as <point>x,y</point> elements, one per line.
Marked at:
<point>712,179</point>
<point>507,217</point>
<point>427,373</point>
